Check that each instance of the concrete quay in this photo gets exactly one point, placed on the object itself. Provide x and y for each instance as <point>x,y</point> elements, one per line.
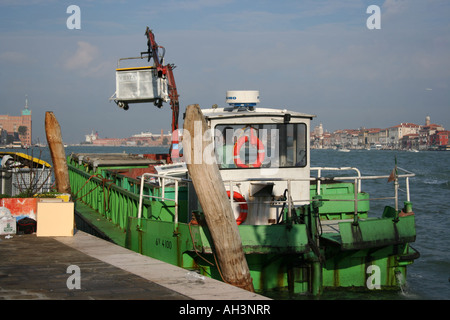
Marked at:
<point>49,268</point>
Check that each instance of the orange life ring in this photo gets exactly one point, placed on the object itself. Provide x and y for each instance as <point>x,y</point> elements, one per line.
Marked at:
<point>254,140</point>
<point>242,205</point>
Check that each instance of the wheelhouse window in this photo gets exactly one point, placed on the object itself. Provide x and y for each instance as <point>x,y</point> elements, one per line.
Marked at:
<point>260,145</point>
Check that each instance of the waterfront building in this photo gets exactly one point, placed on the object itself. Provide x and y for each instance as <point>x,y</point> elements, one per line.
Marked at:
<point>439,139</point>
<point>18,126</point>
<point>396,133</point>
<point>144,139</point>
<point>402,136</point>
<point>112,142</point>
<point>426,132</point>
<point>410,142</point>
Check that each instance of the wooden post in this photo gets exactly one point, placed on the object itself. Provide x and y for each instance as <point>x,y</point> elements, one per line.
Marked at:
<point>214,201</point>
<point>55,144</point>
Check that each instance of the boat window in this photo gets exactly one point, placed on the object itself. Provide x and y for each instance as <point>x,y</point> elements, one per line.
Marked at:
<point>260,145</point>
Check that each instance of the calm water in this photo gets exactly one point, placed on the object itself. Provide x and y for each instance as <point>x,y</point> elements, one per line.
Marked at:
<point>429,276</point>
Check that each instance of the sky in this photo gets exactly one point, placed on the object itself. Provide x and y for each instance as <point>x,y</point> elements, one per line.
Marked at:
<point>314,56</point>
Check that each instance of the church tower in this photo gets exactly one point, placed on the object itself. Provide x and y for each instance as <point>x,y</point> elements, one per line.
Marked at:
<point>26,136</point>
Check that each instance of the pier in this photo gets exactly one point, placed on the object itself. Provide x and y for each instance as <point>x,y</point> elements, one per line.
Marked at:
<point>44,268</point>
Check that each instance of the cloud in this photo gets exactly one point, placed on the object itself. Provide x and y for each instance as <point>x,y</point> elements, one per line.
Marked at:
<point>84,55</point>
<point>87,61</point>
<point>395,7</point>
<point>13,57</point>
<point>193,4</point>
<point>25,2</point>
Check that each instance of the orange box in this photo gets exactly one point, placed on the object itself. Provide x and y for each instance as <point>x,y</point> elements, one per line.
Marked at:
<point>55,219</point>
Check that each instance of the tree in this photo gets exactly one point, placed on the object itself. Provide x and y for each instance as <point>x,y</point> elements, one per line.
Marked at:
<point>22,130</point>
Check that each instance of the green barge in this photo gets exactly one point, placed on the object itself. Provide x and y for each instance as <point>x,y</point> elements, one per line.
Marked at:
<point>302,229</point>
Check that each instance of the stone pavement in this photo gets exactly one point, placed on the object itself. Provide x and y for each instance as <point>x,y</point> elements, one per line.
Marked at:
<point>34,267</point>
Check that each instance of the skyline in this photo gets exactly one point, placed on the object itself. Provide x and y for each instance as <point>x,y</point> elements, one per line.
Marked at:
<point>316,57</point>
<point>380,127</point>
<point>312,128</point>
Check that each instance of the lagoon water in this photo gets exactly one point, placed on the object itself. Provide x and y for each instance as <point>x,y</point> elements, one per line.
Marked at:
<point>429,276</point>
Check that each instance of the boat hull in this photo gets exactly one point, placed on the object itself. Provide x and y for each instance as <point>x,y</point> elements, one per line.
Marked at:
<point>283,261</point>
<point>305,256</point>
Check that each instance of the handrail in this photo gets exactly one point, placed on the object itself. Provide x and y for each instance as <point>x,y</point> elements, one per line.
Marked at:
<point>129,58</point>
<point>163,177</point>
<point>320,169</point>
<point>357,182</point>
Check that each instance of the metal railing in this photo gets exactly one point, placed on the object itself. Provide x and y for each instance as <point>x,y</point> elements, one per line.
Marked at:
<point>35,180</point>
<point>320,169</point>
<point>359,178</point>
<point>356,181</point>
<point>289,201</point>
<point>162,183</point>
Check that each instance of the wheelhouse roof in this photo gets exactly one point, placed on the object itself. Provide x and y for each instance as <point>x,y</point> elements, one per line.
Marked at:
<point>231,112</point>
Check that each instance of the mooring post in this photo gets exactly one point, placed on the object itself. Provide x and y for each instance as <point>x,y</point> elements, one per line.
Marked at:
<point>56,146</point>
<point>213,199</point>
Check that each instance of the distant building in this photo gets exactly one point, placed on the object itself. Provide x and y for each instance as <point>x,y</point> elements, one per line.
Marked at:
<point>18,126</point>
<point>90,138</point>
<point>426,131</point>
<point>377,137</point>
<point>410,141</point>
<point>143,139</point>
<point>439,139</point>
<point>317,137</point>
<point>109,142</point>
<point>396,133</point>
<point>318,130</point>
<point>403,136</point>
